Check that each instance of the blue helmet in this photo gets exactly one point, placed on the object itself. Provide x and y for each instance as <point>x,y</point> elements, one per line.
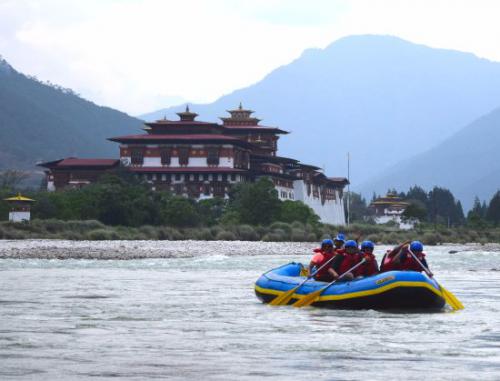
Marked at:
<point>351,243</point>
<point>367,245</point>
<point>416,246</point>
<point>327,242</point>
<point>340,237</point>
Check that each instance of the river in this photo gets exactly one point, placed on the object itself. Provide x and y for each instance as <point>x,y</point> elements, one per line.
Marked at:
<point>183,317</point>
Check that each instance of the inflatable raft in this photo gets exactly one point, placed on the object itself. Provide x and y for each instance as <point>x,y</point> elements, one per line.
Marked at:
<point>389,290</point>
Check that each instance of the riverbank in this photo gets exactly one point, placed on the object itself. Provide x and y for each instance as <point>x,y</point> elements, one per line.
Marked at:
<point>276,232</point>
<point>129,250</point>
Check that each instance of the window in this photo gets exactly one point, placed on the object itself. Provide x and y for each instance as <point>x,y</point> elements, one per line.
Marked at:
<point>233,177</point>
<point>183,155</point>
<point>213,156</point>
<point>177,177</point>
<point>166,154</point>
<point>136,156</point>
<point>206,189</point>
<point>205,177</point>
<point>224,177</point>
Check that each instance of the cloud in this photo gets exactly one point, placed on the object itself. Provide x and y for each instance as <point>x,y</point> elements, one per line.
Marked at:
<point>138,56</point>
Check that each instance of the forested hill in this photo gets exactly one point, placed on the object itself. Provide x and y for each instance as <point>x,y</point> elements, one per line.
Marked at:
<point>44,122</point>
<point>380,98</point>
<point>468,163</point>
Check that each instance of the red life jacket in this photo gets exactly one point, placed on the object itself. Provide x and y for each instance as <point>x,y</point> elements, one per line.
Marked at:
<point>348,261</point>
<point>407,263</point>
<point>319,260</point>
<point>368,268</point>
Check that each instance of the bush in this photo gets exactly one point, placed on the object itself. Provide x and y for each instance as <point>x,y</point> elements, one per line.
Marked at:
<point>298,235</point>
<point>247,233</point>
<point>203,234</point>
<point>225,236</point>
<point>431,238</point>
<point>101,235</point>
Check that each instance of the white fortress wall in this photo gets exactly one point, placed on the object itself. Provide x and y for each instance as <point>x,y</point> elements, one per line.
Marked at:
<point>331,212</point>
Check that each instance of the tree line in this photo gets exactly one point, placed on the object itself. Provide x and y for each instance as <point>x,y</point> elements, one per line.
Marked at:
<point>124,200</point>
<point>437,206</point>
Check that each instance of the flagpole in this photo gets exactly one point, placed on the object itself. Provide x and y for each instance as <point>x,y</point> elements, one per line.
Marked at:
<point>348,189</point>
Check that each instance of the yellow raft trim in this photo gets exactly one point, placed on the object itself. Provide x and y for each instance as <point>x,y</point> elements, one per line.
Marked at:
<point>357,294</point>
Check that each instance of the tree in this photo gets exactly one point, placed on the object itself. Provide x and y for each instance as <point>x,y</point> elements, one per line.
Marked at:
<point>255,203</point>
<point>443,209</point>
<point>211,210</point>
<point>180,211</point>
<point>476,216</point>
<point>493,212</point>
<point>357,208</point>
<point>418,194</point>
<point>297,211</point>
<point>11,179</point>
<point>416,210</point>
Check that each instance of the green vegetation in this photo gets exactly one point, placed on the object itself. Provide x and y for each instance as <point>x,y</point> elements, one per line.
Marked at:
<point>120,207</point>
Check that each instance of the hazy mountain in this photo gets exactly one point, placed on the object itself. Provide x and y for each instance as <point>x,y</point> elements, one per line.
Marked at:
<point>381,98</point>
<point>45,122</point>
<point>467,163</point>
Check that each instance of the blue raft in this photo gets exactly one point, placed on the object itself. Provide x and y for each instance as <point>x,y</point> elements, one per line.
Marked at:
<point>400,290</point>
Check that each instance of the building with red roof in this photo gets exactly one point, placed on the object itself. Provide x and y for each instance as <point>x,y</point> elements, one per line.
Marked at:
<point>203,160</point>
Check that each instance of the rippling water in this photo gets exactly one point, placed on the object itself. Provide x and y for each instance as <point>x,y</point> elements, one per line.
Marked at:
<point>198,318</point>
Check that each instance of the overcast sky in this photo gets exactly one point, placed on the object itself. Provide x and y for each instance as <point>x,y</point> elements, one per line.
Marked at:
<point>142,55</point>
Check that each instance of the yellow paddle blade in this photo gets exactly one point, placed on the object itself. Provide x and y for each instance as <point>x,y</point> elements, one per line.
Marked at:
<point>284,298</point>
<point>308,299</point>
<point>451,299</point>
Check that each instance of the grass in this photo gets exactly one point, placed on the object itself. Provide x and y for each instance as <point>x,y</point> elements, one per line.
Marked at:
<point>276,232</point>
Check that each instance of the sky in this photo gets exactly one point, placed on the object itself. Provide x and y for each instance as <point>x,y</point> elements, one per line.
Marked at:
<point>142,55</point>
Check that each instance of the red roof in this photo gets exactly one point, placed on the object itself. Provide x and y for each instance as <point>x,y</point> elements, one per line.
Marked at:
<point>76,162</point>
<point>183,123</point>
<point>186,170</point>
<point>178,137</point>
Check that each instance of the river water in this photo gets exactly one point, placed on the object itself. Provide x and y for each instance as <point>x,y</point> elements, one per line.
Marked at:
<point>197,318</point>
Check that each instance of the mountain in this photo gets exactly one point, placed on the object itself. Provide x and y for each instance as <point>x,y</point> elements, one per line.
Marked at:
<point>467,163</point>
<point>42,122</point>
<point>380,98</point>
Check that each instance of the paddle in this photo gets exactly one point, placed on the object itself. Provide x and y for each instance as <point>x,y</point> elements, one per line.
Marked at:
<point>286,296</point>
<point>451,299</point>
<point>313,296</point>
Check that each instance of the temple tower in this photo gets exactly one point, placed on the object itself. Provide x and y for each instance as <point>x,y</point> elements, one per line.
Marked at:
<point>20,208</point>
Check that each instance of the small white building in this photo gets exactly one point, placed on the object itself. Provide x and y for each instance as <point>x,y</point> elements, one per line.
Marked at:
<point>391,208</point>
<point>20,208</point>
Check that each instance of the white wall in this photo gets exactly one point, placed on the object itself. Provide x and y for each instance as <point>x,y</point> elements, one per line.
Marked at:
<point>19,216</point>
<point>331,212</point>
<point>225,162</point>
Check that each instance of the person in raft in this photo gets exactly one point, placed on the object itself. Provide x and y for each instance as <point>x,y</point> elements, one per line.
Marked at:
<point>370,267</point>
<point>400,258</point>
<point>345,259</point>
<point>339,241</point>
<point>322,256</point>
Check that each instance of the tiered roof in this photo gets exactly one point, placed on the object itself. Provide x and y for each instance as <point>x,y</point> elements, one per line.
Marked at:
<point>73,162</point>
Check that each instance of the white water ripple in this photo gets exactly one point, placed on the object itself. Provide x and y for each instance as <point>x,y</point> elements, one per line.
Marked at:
<point>188,312</point>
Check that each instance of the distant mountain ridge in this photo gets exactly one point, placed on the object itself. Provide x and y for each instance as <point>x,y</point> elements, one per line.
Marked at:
<point>380,98</point>
<point>41,122</point>
<point>467,163</point>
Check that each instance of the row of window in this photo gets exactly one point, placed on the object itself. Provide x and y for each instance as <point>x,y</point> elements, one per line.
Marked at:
<point>288,195</point>
<point>169,177</point>
<point>213,156</point>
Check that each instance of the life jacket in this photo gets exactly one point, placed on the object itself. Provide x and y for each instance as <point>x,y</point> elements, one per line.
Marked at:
<point>370,267</point>
<point>346,262</point>
<point>319,259</point>
<point>339,251</point>
<point>407,262</point>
